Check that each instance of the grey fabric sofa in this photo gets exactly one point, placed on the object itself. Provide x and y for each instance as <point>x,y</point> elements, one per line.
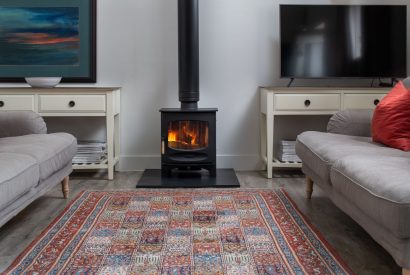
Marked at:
<point>368,181</point>
<point>31,161</point>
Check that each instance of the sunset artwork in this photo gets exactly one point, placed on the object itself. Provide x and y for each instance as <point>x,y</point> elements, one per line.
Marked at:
<point>39,36</point>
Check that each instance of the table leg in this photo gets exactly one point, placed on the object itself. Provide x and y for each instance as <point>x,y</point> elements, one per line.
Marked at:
<point>110,136</point>
<point>263,139</point>
<point>269,144</point>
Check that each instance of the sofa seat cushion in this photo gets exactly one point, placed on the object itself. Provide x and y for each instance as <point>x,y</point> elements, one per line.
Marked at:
<point>319,151</point>
<point>52,151</point>
<point>19,173</point>
<point>379,186</point>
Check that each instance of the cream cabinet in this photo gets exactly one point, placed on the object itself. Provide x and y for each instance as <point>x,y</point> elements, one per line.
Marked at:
<point>65,102</point>
<point>296,102</point>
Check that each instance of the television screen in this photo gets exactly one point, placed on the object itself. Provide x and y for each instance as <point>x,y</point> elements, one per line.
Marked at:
<point>324,41</point>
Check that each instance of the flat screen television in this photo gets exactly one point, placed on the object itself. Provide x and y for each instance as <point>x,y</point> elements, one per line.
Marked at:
<point>326,41</point>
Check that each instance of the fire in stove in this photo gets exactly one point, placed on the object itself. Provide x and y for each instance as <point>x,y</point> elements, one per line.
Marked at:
<point>188,135</point>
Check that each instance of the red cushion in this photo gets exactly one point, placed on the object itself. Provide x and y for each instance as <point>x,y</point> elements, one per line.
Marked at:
<point>391,119</point>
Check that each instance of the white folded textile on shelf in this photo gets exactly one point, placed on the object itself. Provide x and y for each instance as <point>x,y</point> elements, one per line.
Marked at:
<point>90,152</point>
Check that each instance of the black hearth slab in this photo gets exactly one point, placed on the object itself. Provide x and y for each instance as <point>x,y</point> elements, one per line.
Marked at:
<point>179,110</point>
<point>225,178</point>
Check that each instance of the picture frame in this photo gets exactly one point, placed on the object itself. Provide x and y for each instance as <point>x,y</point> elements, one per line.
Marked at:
<point>48,38</point>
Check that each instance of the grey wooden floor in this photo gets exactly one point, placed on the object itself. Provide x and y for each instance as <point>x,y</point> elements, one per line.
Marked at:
<point>355,246</point>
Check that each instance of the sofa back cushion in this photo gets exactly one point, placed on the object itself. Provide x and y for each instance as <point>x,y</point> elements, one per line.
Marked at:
<point>351,122</point>
<point>391,119</point>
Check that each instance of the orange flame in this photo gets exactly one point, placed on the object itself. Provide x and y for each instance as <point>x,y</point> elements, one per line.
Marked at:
<point>172,135</point>
<point>186,135</point>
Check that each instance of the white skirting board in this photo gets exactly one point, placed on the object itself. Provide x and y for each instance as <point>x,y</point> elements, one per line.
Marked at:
<point>237,162</point>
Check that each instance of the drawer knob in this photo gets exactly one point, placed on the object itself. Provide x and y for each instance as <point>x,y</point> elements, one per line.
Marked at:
<point>1,103</point>
<point>307,102</point>
<point>71,103</point>
<point>376,102</point>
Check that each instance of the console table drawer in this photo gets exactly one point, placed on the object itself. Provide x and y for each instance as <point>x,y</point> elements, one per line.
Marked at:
<point>16,103</point>
<point>72,103</point>
<point>362,101</point>
<point>306,102</point>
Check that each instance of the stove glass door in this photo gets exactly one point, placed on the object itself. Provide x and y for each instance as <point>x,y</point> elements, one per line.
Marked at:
<point>188,135</point>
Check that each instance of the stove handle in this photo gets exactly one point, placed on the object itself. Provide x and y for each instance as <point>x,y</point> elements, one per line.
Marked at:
<point>163,146</point>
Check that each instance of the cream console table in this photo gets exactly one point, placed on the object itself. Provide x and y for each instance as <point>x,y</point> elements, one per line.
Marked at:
<point>70,102</point>
<point>304,102</point>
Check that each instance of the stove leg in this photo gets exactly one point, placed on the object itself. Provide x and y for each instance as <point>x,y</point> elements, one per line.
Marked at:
<point>212,172</point>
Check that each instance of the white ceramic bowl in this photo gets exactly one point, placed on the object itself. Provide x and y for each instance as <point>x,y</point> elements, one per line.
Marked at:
<point>43,82</point>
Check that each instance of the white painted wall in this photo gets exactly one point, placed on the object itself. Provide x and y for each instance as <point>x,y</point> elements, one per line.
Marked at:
<point>239,51</point>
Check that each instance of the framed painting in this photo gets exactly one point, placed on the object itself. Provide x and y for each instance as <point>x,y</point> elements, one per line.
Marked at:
<point>48,38</point>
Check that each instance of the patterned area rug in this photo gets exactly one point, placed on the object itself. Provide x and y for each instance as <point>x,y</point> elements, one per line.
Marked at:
<point>180,232</point>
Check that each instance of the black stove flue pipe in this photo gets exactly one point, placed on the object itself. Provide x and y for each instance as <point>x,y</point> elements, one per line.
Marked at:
<point>188,57</point>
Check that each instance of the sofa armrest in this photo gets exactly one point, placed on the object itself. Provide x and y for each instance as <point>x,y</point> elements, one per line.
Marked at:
<point>352,123</point>
<point>21,123</point>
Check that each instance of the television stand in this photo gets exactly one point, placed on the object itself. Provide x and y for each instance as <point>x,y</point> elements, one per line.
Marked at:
<point>305,109</point>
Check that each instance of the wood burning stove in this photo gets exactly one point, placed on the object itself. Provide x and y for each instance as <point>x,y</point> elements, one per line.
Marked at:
<point>188,134</point>
<point>188,140</point>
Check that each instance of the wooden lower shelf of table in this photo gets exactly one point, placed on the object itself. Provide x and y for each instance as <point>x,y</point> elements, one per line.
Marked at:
<point>284,164</point>
<point>94,166</point>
